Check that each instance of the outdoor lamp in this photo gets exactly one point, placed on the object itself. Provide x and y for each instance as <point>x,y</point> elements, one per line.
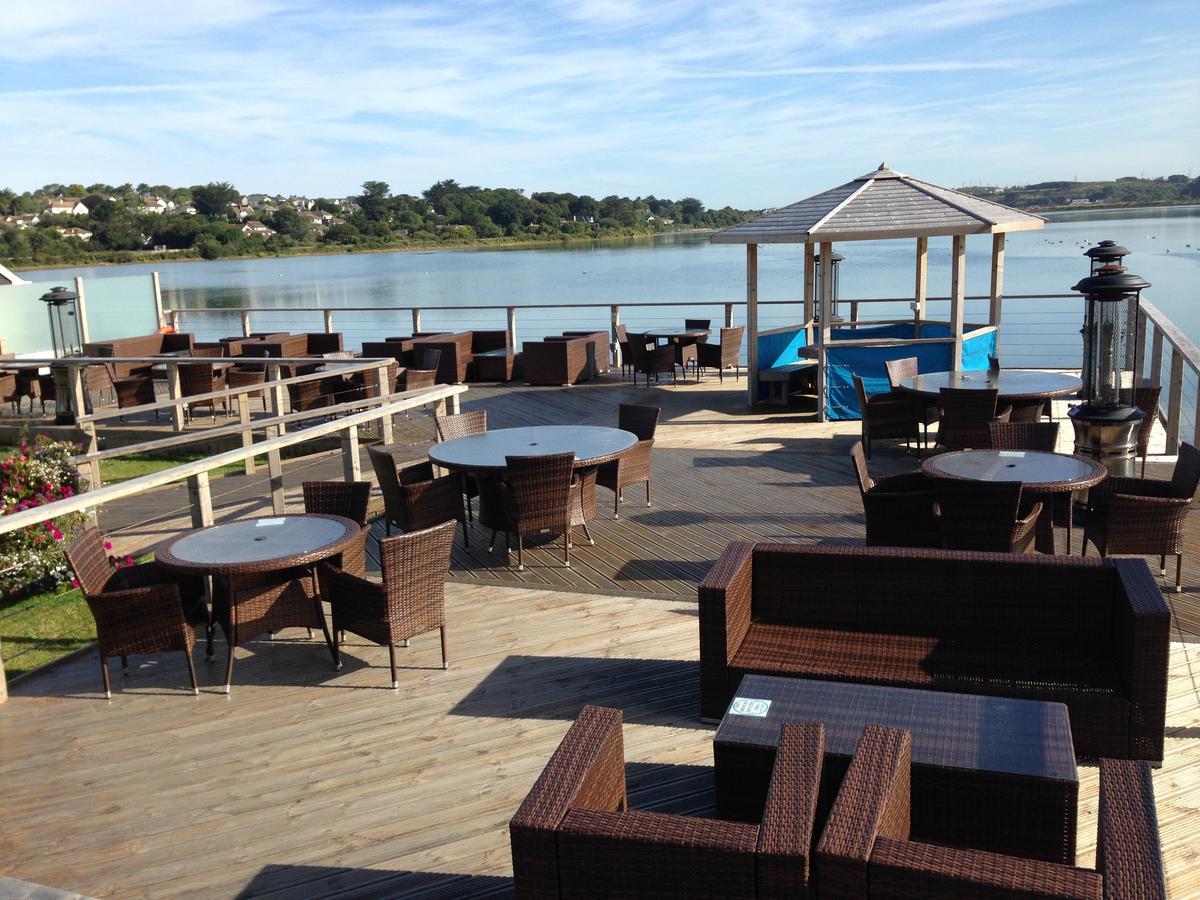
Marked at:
<point>1106,423</point>
<point>1106,253</point>
<point>64,339</point>
<point>835,259</point>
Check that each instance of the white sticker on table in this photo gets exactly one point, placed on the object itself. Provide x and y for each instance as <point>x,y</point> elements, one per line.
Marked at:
<point>750,706</point>
<point>1012,454</point>
<point>267,523</point>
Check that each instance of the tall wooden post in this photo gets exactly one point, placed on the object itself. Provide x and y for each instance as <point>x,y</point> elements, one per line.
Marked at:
<point>921,284</point>
<point>81,318</point>
<point>752,322</point>
<point>996,296</point>
<point>958,285</point>
<point>825,307</point>
<point>245,323</point>
<point>156,286</point>
<point>511,328</point>
<point>615,317</point>
<point>810,276</point>
<point>328,314</point>
<point>416,320</point>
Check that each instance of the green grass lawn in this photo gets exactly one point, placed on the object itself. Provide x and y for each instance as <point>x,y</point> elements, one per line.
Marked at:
<point>39,629</point>
<point>113,471</point>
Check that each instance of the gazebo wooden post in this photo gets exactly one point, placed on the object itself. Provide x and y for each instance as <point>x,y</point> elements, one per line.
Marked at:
<point>922,279</point>
<point>996,297</point>
<point>826,304</point>
<point>810,279</point>
<point>958,284</point>
<point>752,322</point>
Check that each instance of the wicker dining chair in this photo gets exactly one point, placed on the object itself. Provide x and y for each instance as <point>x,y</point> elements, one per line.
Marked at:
<point>409,601</point>
<point>886,416</point>
<point>724,354</point>
<point>925,410</point>
<point>1023,436</point>
<point>1145,398</point>
<point>964,417</point>
<point>649,361</point>
<point>422,373</point>
<point>138,609</point>
<point>413,497</point>
<point>459,425</point>
<point>197,378</point>
<point>899,509</point>
<point>634,466</point>
<point>1144,516</point>
<point>133,390</point>
<point>348,499</point>
<point>537,492</point>
<point>985,515</point>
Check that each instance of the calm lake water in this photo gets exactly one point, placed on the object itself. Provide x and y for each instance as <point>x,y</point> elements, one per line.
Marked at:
<point>682,268</point>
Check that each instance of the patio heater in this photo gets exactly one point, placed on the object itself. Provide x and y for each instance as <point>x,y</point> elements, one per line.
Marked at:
<point>64,338</point>
<point>836,259</point>
<point>1106,423</point>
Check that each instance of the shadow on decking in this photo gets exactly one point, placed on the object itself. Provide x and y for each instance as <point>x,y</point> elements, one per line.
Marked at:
<point>323,881</point>
<point>650,691</point>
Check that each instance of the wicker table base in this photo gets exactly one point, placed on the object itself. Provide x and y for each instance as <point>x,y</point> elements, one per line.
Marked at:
<point>988,773</point>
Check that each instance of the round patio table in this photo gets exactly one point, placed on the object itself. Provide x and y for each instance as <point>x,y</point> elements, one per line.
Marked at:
<point>244,554</point>
<point>1046,475</point>
<point>676,335</point>
<point>1024,390</point>
<point>484,456</point>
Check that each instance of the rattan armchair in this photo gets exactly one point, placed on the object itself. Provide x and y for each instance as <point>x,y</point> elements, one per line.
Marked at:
<point>538,497</point>
<point>198,378</point>
<point>133,390</point>
<point>867,849</point>
<point>1144,515</point>
<point>138,609</point>
<point>886,416</point>
<point>623,341</point>
<point>725,354</point>
<point>459,425</point>
<point>575,835</point>
<point>964,417</point>
<point>656,361</point>
<point>899,509</point>
<point>348,499</point>
<point>409,601</point>
<point>925,410</point>
<point>422,373</point>
<point>985,515</point>
<point>634,466</point>
<point>414,498</point>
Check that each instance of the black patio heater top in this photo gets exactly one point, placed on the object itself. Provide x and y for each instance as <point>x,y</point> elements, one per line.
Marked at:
<point>64,333</point>
<point>1107,421</point>
<point>1106,253</point>
<point>835,258</point>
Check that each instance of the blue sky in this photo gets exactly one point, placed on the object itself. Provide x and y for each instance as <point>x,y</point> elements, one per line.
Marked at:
<point>755,104</point>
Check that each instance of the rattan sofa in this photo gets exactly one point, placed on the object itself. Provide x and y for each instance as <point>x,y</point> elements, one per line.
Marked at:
<point>1091,635</point>
<point>575,835</point>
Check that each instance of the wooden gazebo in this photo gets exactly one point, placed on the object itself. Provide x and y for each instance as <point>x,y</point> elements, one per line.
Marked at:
<point>881,205</point>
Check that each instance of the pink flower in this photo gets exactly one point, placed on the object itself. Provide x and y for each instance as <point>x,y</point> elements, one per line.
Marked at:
<point>75,583</point>
<point>129,560</point>
<point>108,545</point>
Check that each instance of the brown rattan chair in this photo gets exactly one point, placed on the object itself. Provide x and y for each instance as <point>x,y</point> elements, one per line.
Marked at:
<point>538,493</point>
<point>463,425</point>
<point>1023,436</point>
<point>886,416</point>
<point>623,341</point>
<point>198,378</point>
<point>239,376</point>
<point>138,609</point>
<point>725,354</point>
<point>634,466</point>
<point>1145,398</point>
<point>409,601</point>
<point>348,499</point>
<point>413,497</point>
<point>925,410</point>
<point>422,373</point>
<point>964,417</point>
<point>898,508</point>
<point>867,847</point>
<point>656,361</point>
<point>575,836</point>
<point>985,515</point>
<point>1144,516</point>
<point>133,390</point>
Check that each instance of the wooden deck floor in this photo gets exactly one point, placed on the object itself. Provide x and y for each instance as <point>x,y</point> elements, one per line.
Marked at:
<point>307,783</point>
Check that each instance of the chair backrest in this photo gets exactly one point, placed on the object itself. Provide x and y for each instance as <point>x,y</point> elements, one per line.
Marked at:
<point>622,334</point>
<point>965,414</point>
<point>385,475</point>
<point>426,359</point>
<point>414,566</point>
<point>1186,477</point>
<point>319,342</point>
<point>90,563</point>
<point>641,420</point>
<point>196,379</point>
<point>210,352</point>
<point>731,338</point>
<point>859,459</point>
<point>860,390</point>
<point>697,324</point>
<point>460,424</point>
<point>898,369</point>
<point>348,499</point>
<point>540,487</point>
<point>978,515</point>
<point>1145,398</point>
<point>1024,435</point>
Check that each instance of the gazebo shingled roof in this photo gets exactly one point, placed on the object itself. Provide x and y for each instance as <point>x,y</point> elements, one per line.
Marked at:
<point>881,204</point>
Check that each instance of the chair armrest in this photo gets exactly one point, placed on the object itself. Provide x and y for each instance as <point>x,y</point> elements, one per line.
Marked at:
<point>726,601</point>
<point>414,472</point>
<point>1141,641</point>
<point>351,595</point>
<point>905,482</point>
<point>1128,853</point>
<point>873,801</point>
<point>1024,525</point>
<point>785,838</point>
<point>913,869</point>
<point>1102,494</point>
<point>588,770</point>
<point>1003,415</point>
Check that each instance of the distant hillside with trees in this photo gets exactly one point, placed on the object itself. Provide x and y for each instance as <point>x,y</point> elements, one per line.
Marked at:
<point>69,224</point>
<point>1169,190</point>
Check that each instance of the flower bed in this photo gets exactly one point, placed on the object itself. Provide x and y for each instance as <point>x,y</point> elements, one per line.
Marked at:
<point>33,475</point>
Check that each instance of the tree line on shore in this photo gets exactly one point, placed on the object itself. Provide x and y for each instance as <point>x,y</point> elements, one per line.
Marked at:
<point>127,223</point>
<point>1129,190</point>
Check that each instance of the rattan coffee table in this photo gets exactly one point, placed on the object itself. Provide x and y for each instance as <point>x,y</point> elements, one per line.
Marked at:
<point>993,772</point>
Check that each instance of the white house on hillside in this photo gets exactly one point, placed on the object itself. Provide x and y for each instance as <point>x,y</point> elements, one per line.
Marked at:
<point>66,206</point>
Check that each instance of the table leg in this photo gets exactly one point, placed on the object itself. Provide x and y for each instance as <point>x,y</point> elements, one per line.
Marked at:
<point>1044,541</point>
